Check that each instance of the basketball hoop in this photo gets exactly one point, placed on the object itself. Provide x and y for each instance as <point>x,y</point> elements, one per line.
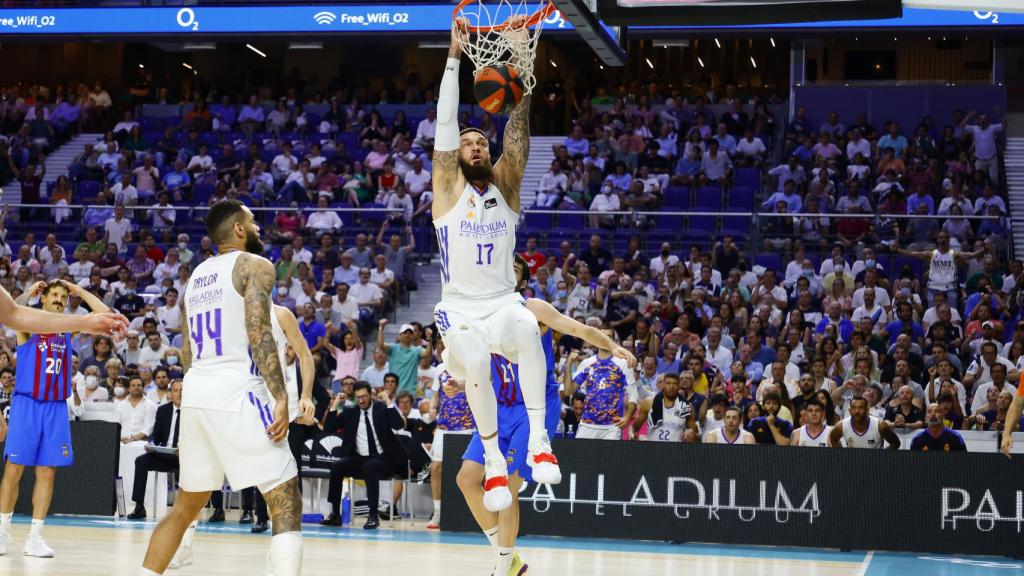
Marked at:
<point>491,39</point>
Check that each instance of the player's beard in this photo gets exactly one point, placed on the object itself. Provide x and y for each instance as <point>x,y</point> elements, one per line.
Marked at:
<point>475,173</point>
<point>253,244</point>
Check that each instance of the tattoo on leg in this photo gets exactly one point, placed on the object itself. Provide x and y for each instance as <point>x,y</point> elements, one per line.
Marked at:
<point>285,504</point>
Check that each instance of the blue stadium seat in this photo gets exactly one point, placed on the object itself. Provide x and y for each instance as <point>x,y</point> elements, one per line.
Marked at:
<point>88,189</point>
<point>900,261</point>
<point>736,225</point>
<point>748,178</point>
<point>570,221</point>
<point>677,197</point>
<point>202,193</point>
<point>668,222</point>
<point>701,226</point>
<point>769,260</point>
<point>709,199</point>
<point>741,198</point>
<point>536,220</point>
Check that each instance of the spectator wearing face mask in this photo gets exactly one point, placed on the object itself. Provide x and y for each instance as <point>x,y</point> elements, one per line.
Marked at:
<point>90,390</point>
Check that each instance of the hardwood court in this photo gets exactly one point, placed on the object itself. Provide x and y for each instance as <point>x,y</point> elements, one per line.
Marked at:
<point>103,547</point>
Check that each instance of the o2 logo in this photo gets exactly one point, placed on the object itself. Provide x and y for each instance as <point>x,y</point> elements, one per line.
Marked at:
<point>555,19</point>
<point>186,18</point>
<point>988,16</point>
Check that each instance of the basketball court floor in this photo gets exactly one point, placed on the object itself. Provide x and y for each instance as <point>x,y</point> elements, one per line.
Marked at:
<point>93,546</point>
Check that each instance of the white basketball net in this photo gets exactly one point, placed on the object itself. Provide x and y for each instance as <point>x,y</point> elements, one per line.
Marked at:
<point>516,46</point>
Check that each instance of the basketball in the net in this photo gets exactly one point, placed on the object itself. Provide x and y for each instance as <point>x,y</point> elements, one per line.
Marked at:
<point>498,88</point>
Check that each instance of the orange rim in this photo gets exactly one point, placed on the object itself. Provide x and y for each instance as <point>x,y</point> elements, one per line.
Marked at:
<point>543,12</point>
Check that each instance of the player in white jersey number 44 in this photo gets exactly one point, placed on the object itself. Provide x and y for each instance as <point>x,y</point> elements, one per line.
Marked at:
<point>234,405</point>
<point>476,209</point>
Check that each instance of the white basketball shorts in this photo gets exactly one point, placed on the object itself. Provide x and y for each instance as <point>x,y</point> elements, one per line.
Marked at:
<point>213,444</point>
<point>488,319</point>
<point>595,432</point>
<point>437,447</point>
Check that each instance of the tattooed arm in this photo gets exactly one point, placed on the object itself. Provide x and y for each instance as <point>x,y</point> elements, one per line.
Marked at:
<point>508,172</point>
<point>186,340</point>
<point>253,277</point>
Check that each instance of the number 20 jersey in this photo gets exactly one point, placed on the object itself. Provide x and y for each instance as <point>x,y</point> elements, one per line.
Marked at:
<point>477,242</point>
<point>221,373</point>
<point>44,367</point>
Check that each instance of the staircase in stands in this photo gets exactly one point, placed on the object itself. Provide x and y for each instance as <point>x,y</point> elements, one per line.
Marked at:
<point>541,155</point>
<point>1014,165</point>
<point>420,308</point>
<point>57,163</point>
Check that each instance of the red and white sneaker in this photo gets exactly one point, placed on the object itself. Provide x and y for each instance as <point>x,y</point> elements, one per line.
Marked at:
<point>497,496</point>
<point>434,524</point>
<point>543,462</point>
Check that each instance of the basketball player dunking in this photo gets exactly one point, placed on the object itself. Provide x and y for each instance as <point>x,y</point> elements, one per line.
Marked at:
<point>233,375</point>
<point>40,434</point>
<point>502,528</point>
<point>476,209</point>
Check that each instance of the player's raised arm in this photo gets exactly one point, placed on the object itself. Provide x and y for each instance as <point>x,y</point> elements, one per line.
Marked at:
<point>254,277</point>
<point>445,171</point>
<point>25,319</point>
<point>307,371</point>
<point>95,304</point>
<point>508,171</point>
<point>552,318</point>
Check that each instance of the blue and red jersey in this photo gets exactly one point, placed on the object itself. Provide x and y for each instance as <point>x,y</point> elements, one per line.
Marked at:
<point>44,367</point>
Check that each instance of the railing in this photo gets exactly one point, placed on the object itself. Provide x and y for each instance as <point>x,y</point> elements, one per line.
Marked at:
<point>675,226</point>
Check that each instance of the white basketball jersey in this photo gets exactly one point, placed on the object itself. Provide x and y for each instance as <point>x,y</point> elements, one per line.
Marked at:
<point>578,302</point>
<point>673,422</point>
<point>740,438</point>
<point>871,438</point>
<point>942,271</point>
<point>477,242</point>
<point>819,441</point>
<point>219,374</point>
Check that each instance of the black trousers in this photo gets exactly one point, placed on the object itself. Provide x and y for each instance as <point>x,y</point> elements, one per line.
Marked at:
<point>370,470</point>
<point>161,463</point>
<point>297,435</point>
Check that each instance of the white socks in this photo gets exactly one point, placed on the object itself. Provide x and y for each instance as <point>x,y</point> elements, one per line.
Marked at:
<point>190,532</point>
<point>536,418</point>
<point>37,527</point>
<point>5,522</point>
<point>437,510</point>
<point>504,564</point>
<point>285,556</point>
<point>147,572</point>
<point>492,537</point>
<point>491,448</point>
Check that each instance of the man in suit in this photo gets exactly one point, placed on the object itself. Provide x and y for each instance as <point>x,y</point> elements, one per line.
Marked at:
<point>369,451</point>
<point>165,433</point>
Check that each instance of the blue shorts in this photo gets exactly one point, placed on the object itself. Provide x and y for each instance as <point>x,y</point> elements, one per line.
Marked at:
<point>39,433</point>
<point>514,436</point>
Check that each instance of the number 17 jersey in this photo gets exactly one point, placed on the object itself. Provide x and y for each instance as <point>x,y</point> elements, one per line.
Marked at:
<point>221,372</point>
<point>477,242</point>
